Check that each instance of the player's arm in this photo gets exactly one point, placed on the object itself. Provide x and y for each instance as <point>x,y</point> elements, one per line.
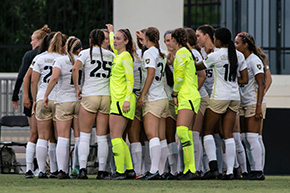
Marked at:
<point>201,78</point>
<point>110,28</point>
<point>129,74</point>
<point>52,82</point>
<point>26,82</point>
<point>75,74</point>
<point>268,80</point>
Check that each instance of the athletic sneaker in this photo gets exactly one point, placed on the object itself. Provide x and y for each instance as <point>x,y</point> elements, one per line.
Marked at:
<point>130,174</point>
<point>102,174</point>
<point>62,175</point>
<point>42,175</point>
<point>83,174</point>
<point>53,174</point>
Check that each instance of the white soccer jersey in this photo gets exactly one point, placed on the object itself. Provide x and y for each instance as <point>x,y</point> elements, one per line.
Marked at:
<point>35,59</point>
<point>208,83</point>
<point>224,88</point>
<point>198,58</point>
<point>65,91</point>
<point>137,72</point>
<point>151,59</point>
<point>96,72</point>
<point>43,66</point>
<point>249,92</point>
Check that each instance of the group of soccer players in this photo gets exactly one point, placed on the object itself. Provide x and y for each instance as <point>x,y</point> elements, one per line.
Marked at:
<point>183,113</point>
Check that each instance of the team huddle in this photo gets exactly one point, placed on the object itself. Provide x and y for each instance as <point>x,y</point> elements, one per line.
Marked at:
<point>194,111</point>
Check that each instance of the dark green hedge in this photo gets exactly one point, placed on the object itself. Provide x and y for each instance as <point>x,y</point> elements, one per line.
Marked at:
<point>19,18</point>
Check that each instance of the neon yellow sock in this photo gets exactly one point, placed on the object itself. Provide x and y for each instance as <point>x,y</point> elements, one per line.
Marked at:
<point>127,155</point>
<point>182,133</point>
<point>119,157</point>
<point>191,155</point>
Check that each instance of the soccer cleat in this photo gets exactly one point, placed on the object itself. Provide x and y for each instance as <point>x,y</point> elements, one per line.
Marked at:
<point>228,177</point>
<point>42,175</point>
<point>171,177</point>
<point>188,176</point>
<point>53,174</point>
<point>138,177</point>
<point>29,174</point>
<point>256,175</point>
<point>102,174</point>
<point>237,174</point>
<point>62,175</point>
<point>210,175</point>
<point>164,176</point>
<point>150,176</point>
<point>83,174</point>
<point>118,176</point>
<point>130,174</point>
<point>245,175</point>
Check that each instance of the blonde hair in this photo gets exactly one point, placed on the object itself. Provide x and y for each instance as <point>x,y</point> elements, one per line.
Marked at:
<point>57,43</point>
<point>72,45</point>
<point>41,33</point>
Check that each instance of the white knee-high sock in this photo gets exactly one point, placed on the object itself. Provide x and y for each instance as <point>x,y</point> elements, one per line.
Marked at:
<point>136,151</point>
<point>155,153</point>
<point>263,150</point>
<point>255,149</point>
<point>173,157</point>
<point>247,148</point>
<point>198,150</point>
<point>30,151</point>
<point>163,156</point>
<point>52,157</point>
<point>180,163</point>
<point>205,162</point>
<point>76,153</point>
<point>147,158</point>
<point>209,147</point>
<point>84,149</point>
<point>62,153</point>
<point>41,154</point>
<point>240,152</point>
<point>230,154</point>
<point>103,151</point>
<point>224,162</point>
<point>219,152</point>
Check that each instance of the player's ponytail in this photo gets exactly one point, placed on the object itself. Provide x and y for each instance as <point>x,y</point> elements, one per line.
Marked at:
<point>97,37</point>
<point>153,35</point>
<point>180,36</point>
<point>57,43</point>
<point>72,45</point>
<point>41,33</point>
<point>225,36</point>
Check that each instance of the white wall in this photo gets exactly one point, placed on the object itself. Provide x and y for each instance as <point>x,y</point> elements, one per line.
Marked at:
<point>139,14</point>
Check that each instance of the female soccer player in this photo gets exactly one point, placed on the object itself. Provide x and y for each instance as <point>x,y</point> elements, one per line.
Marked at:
<point>36,40</point>
<point>95,99</point>
<point>122,109</point>
<point>186,97</point>
<point>153,100</point>
<point>252,109</point>
<point>230,69</point>
<point>67,104</point>
<point>197,125</point>
<point>42,71</point>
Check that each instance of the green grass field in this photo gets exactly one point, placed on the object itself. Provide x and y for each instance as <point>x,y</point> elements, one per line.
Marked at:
<point>17,183</point>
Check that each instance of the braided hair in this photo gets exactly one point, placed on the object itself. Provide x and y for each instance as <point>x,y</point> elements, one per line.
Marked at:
<point>153,34</point>
<point>225,36</point>
<point>72,45</point>
<point>97,37</point>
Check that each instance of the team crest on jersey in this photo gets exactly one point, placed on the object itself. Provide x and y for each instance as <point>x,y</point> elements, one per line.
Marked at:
<point>206,58</point>
<point>259,66</point>
<point>196,59</point>
<point>147,61</point>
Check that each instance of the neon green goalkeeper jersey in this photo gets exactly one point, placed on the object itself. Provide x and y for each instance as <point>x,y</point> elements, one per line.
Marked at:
<point>185,77</point>
<point>122,77</point>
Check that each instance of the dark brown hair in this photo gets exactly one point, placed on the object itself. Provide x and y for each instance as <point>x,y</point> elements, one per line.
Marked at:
<point>153,34</point>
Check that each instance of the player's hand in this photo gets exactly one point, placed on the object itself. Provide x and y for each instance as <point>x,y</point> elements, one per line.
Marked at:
<point>140,35</point>
<point>26,102</point>
<point>126,107</point>
<point>140,101</point>
<point>110,27</point>
<point>175,101</point>
<point>15,104</point>
<point>33,106</point>
<point>259,114</point>
<point>45,102</point>
<point>79,94</point>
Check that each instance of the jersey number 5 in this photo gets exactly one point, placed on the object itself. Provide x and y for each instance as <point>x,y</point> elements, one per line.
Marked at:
<point>95,73</point>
